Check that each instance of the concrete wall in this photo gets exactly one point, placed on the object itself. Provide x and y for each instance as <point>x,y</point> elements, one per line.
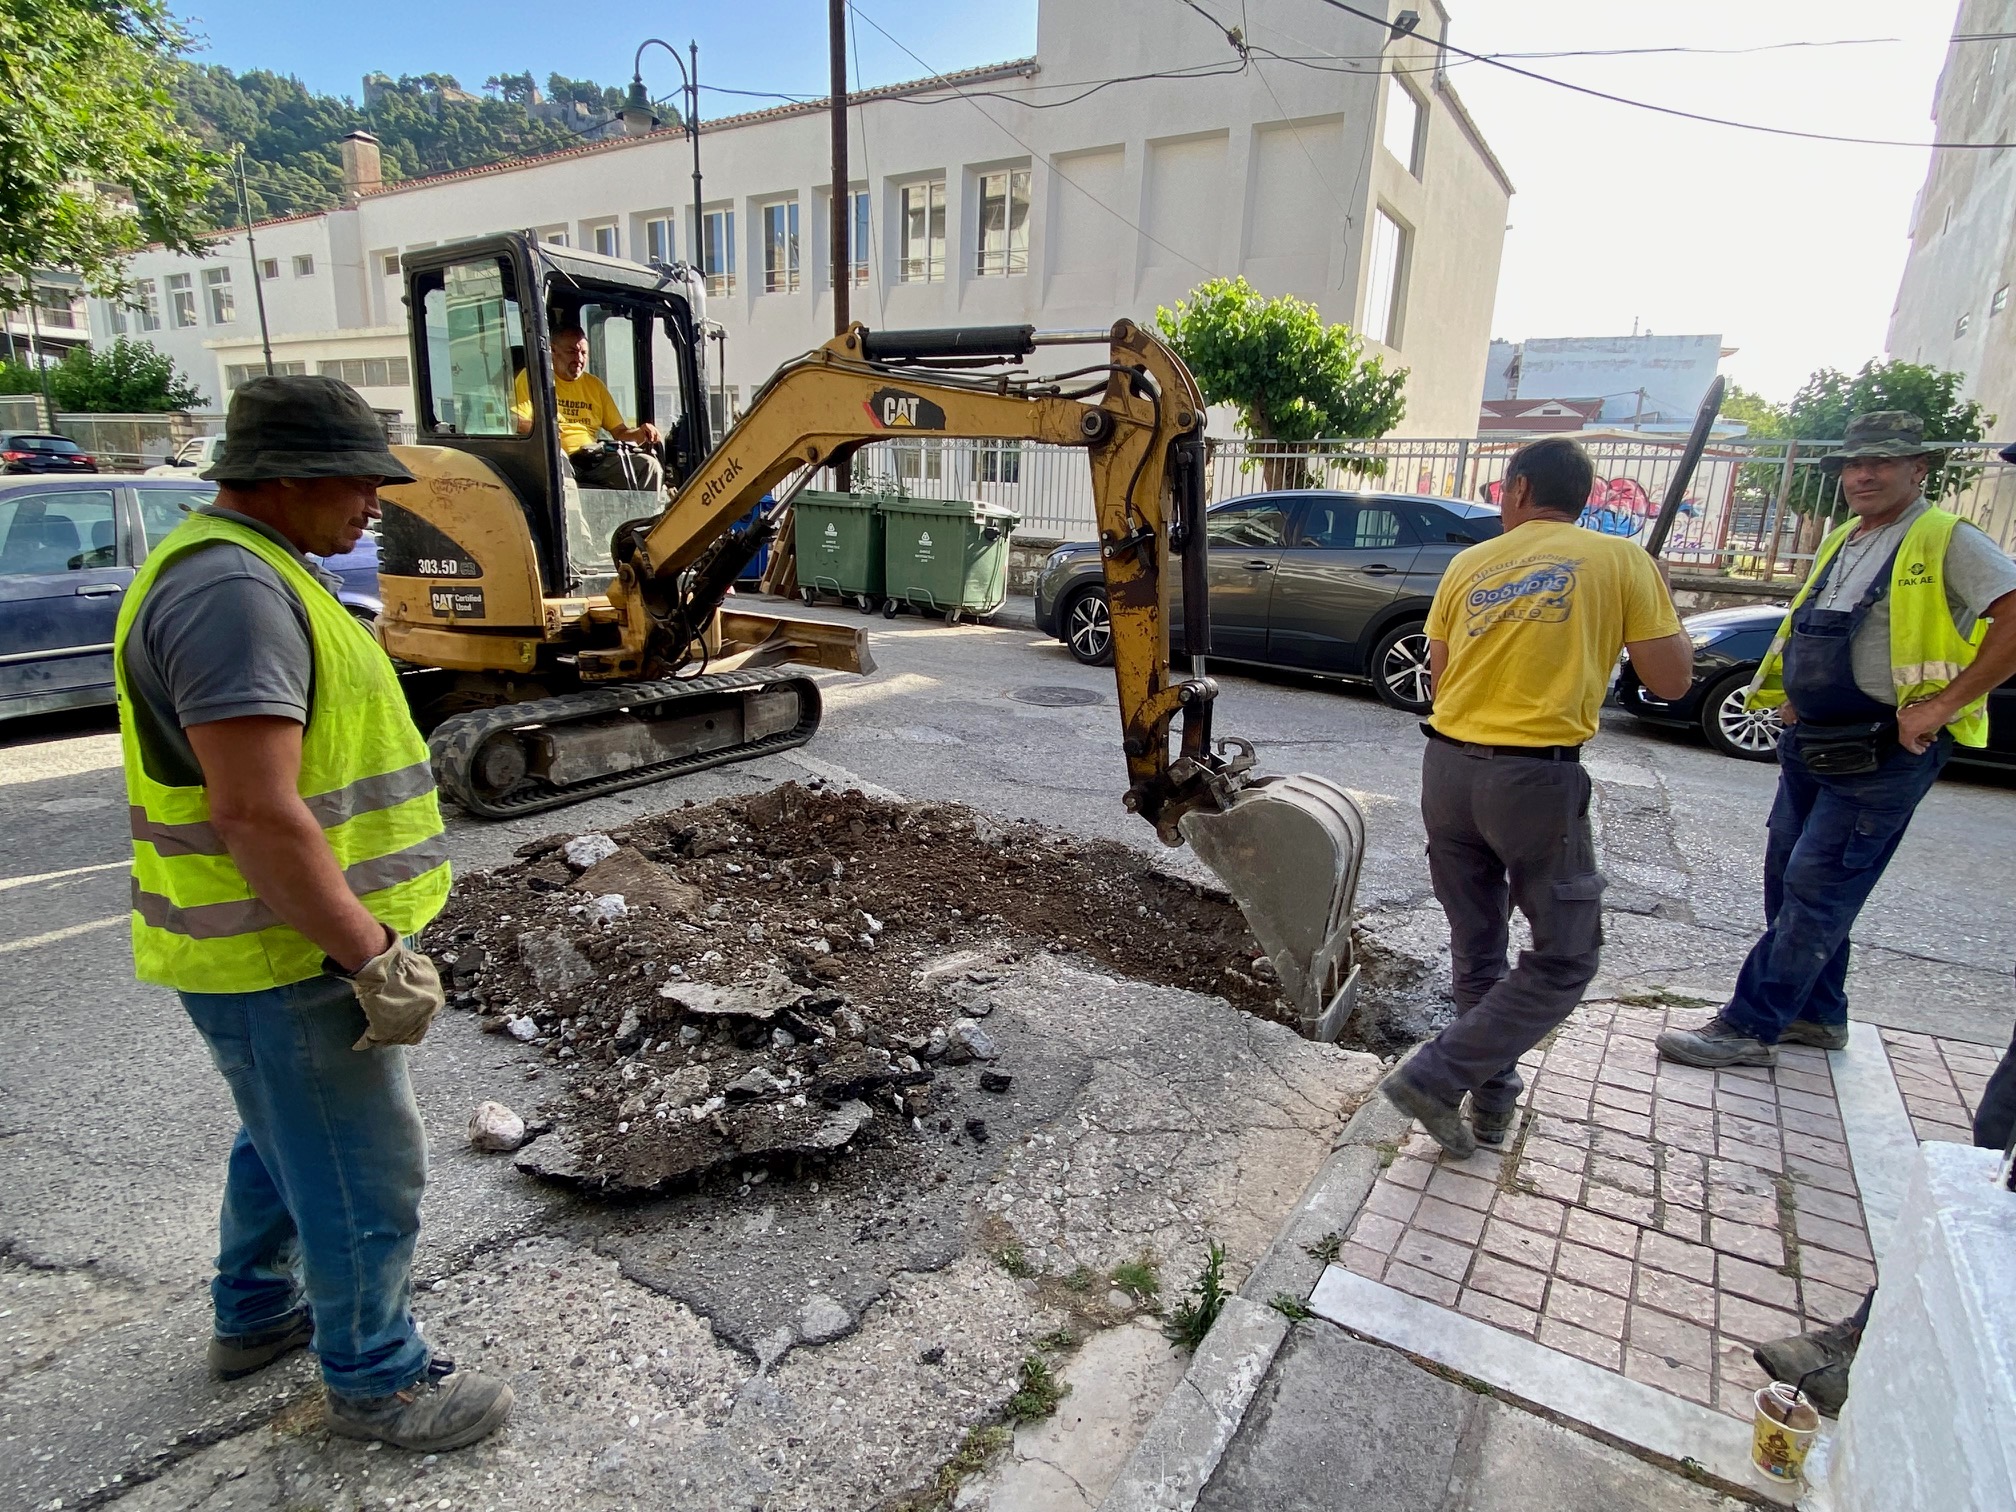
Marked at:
<point>1137,194</point>
<point>1673,371</point>
<point>1963,227</point>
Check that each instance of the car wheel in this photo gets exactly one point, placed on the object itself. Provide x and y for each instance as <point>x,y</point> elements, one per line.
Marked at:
<point>1734,730</point>
<point>1400,669</point>
<point>1088,628</point>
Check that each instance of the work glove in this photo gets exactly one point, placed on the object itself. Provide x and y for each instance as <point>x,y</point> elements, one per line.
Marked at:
<point>400,992</point>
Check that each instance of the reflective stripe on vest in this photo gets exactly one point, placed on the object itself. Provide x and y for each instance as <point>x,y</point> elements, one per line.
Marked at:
<point>1926,651</point>
<point>197,926</point>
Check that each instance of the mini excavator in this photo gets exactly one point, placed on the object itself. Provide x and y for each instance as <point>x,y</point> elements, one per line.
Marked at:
<point>563,642</point>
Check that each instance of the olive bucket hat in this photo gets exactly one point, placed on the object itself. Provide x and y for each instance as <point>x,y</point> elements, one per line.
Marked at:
<point>298,426</point>
<point>1880,433</point>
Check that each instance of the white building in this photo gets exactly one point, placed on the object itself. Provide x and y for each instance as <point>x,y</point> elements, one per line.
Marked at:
<point>1352,178</point>
<point>1953,306</point>
<point>1644,383</point>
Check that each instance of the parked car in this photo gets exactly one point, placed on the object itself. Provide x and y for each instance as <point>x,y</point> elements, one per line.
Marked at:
<point>1728,645</point>
<point>68,551</point>
<point>38,452</point>
<point>191,457</point>
<point>1314,580</point>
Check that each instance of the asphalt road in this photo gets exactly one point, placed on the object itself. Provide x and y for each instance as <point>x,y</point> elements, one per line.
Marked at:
<point>113,1126</point>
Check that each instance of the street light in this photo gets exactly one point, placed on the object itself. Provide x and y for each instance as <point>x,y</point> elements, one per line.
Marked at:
<point>639,119</point>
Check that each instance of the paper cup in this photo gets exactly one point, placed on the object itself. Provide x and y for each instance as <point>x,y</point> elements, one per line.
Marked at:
<point>1779,1435</point>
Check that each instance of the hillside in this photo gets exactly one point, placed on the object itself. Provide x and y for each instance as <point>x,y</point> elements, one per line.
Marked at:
<point>425,125</point>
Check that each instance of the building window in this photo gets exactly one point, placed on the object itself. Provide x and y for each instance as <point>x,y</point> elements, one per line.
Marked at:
<point>718,227</point>
<point>367,372</point>
<point>999,462</point>
<point>1004,223</point>
<point>304,265</point>
<point>181,300</point>
<point>1403,124</point>
<point>391,264</point>
<point>554,238</point>
<point>780,247</point>
<point>606,241</point>
<point>115,317</point>
<point>269,268</point>
<point>858,237</point>
<point>1960,326</point>
<point>2000,302</point>
<point>223,306</point>
<point>658,240</point>
<point>236,373</point>
<point>923,232</point>
<point>724,404</point>
<point>145,306</point>
<point>1383,284</point>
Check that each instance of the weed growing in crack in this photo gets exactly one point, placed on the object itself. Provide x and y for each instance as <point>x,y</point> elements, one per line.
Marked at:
<point>1058,1339</point>
<point>1081,1279</point>
<point>1389,1151</point>
<point>1292,1308</point>
<point>1193,1316</point>
<point>1325,1249</point>
<point>1011,1259</point>
<point>1039,1394</point>
<point>1140,1279</point>
<point>1661,997</point>
<point>980,1446</point>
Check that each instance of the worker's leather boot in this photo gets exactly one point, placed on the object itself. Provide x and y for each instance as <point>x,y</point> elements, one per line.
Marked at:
<point>436,1413</point>
<point>1819,1036</point>
<point>1716,1043</point>
<point>242,1354</point>
<point>1817,1361</point>
<point>1444,1121</point>
<point>1492,1126</point>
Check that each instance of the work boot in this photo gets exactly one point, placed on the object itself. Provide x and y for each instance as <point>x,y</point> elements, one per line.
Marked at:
<point>435,1413</point>
<point>1819,1036</point>
<point>241,1355</point>
<point>1492,1126</point>
<point>1442,1120</point>
<point>1716,1043</point>
<point>1820,1360</point>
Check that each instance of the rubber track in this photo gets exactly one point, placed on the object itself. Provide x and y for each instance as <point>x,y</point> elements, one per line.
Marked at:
<point>455,741</point>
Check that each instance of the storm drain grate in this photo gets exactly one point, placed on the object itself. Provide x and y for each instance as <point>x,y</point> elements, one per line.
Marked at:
<point>1057,697</point>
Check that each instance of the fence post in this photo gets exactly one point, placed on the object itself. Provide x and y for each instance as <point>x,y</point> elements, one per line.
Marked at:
<point>1778,509</point>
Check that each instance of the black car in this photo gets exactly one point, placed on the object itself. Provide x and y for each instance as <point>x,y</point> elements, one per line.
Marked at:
<point>35,452</point>
<point>1313,580</point>
<point>1728,645</point>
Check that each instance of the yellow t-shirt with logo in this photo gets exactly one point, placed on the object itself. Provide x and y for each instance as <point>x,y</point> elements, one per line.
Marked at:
<point>1534,622</point>
<point>584,406</point>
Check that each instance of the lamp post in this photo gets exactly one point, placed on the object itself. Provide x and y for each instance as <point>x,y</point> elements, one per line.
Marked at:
<point>252,247</point>
<point>639,119</point>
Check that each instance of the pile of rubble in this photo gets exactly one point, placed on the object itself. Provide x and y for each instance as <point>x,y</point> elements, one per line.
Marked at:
<point>742,986</point>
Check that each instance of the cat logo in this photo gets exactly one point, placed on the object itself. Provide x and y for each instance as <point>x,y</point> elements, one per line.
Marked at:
<point>893,409</point>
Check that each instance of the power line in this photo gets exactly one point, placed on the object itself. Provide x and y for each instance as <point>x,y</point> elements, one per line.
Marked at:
<point>1669,110</point>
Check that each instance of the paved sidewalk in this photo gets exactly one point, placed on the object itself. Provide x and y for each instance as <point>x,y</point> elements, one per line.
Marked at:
<point>1941,1080</point>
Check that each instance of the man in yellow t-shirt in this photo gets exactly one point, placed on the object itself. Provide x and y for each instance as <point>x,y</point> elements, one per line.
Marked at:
<point>585,408</point>
<point>1522,638</point>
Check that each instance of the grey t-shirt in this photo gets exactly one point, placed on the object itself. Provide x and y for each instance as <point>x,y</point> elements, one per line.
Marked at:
<point>1976,574</point>
<point>220,635</point>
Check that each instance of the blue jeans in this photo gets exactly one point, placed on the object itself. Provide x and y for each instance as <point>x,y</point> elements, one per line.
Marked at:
<point>1829,840</point>
<point>324,1180</point>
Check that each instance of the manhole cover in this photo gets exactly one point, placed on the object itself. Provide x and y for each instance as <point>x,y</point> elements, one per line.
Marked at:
<point>1057,697</point>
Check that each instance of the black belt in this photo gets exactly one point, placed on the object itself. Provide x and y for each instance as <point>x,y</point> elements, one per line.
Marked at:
<point>1535,753</point>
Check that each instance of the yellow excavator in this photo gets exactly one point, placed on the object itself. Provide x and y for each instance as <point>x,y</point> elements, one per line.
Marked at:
<point>563,642</point>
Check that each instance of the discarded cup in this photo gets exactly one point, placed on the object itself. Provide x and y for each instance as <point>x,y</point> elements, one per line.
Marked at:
<point>1783,1432</point>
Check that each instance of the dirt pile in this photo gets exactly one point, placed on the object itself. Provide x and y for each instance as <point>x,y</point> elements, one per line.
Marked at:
<point>746,985</point>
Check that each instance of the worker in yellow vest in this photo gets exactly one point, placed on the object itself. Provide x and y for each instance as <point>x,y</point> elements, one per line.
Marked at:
<point>286,842</point>
<point>1882,665</point>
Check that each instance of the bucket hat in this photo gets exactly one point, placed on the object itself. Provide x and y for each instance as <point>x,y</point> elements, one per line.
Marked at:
<point>302,426</point>
<point>1880,433</point>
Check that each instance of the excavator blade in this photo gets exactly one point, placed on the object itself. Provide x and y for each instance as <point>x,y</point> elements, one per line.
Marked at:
<point>1288,849</point>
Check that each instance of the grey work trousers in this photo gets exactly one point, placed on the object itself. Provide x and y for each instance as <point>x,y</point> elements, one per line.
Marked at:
<point>1506,831</point>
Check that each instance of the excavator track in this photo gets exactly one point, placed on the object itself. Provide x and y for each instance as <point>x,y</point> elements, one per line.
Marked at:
<point>523,758</point>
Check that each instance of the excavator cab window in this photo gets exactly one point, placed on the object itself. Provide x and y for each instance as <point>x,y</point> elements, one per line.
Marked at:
<point>474,343</point>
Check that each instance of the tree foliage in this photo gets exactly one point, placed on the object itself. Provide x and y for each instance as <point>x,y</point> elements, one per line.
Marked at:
<point>1764,419</point>
<point>126,378</point>
<point>1823,407</point>
<point>1290,377</point>
<point>92,163</point>
<point>583,92</point>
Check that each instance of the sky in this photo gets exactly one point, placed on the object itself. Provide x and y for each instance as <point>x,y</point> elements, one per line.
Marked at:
<point>1789,249</point>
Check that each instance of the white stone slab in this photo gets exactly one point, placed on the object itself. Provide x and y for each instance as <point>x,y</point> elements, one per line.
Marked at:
<point>1881,1142</point>
<point>1612,1406</point>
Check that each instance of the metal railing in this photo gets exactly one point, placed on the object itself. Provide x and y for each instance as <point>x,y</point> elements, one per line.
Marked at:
<point>130,443</point>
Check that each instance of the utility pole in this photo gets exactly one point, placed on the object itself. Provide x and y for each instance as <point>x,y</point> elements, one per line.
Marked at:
<point>35,352</point>
<point>843,200</point>
<point>252,247</point>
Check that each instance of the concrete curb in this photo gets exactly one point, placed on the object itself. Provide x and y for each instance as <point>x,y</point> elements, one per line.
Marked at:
<point>1179,1452</point>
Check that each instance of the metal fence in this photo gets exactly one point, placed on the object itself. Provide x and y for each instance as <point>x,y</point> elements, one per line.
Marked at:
<point>1753,509</point>
<point>20,412</point>
<point>128,443</point>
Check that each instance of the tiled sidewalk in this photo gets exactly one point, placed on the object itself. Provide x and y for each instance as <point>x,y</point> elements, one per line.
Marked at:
<point>1941,1080</point>
<point>1654,1219</point>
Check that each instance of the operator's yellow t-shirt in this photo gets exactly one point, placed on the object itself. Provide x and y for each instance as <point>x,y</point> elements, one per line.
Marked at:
<point>1534,622</point>
<point>584,405</point>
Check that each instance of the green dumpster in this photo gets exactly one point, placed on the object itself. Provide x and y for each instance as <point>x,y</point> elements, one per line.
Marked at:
<point>839,542</point>
<point>946,556</point>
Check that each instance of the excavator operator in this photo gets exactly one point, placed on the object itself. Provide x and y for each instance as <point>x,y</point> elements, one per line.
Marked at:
<point>585,407</point>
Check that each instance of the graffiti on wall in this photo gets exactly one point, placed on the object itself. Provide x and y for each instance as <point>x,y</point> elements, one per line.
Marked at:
<point>1618,507</point>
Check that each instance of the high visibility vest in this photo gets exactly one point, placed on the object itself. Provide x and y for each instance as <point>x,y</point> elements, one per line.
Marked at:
<point>365,776</point>
<point>1926,651</point>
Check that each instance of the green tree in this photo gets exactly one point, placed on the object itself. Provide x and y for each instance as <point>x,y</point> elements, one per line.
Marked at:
<point>513,89</point>
<point>1822,408</point>
<point>584,91</point>
<point>92,164</point>
<point>126,378</point>
<point>1764,419</point>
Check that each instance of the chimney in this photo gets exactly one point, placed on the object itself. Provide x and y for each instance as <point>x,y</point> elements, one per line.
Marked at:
<point>363,171</point>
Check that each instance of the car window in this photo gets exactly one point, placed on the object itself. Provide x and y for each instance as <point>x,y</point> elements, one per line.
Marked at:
<point>59,445</point>
<point>162,509</point>
<point>1251,523</point>
<point>46,533</point>
<point>1439,524</point>
<point>1347,525</point>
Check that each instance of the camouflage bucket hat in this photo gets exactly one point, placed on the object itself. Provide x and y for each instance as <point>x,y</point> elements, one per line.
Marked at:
<point>302,427</point>
<point>1880,433</point>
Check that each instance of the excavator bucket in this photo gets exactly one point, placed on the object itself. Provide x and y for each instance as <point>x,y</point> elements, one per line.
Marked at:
<point>1288,849</point>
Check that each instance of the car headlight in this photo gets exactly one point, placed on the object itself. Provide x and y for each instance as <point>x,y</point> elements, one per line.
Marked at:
<point>1056,559</point>
<point>1702,639</point>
